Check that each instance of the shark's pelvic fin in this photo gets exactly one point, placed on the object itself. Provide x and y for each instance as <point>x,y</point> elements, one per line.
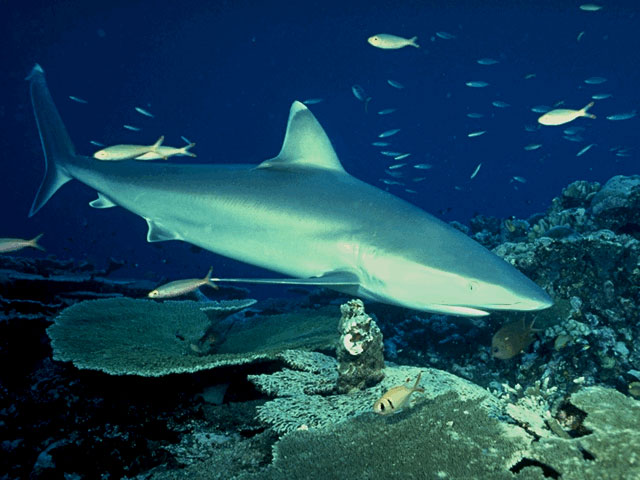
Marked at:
<point>157,233</point>
<point>331,279</point>
<point>305,144</point>
<point>102,202</point>
<point>55,140</point>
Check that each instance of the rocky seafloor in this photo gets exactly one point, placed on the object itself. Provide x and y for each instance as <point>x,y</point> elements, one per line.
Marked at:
<point>98,382</point>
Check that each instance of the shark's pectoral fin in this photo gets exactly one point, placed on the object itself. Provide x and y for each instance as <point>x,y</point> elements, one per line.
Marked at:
<point>102,202</point>
<point>329,280</point>
<point>158,233</point>
<point>305,144</point>
<point>457,310</point>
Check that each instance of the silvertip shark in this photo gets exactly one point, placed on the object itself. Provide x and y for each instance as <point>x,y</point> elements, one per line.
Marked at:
<point>299,214</point>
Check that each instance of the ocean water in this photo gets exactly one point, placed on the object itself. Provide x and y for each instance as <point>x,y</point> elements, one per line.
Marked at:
<point>223,74</point>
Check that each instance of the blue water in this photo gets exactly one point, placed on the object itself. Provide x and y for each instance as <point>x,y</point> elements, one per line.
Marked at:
<point>224,74</point>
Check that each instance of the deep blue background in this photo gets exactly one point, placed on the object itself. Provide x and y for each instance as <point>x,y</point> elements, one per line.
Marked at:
<point>224,74</point>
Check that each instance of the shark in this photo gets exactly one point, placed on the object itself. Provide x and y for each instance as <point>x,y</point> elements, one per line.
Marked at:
<point>299,214</point>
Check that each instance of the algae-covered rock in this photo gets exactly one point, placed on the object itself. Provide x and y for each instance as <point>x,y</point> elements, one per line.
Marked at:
<point>305,400</point>
<point>608,441</point>
<point>360,349</point>
<point>447,436</point>
<point>617,205</point>
<point>141,337</point>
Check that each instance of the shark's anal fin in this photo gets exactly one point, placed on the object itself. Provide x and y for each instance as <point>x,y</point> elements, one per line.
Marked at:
<point>158,233</point>
<point>102,202</point>
<point>305,144</point>
<point>330,279</point>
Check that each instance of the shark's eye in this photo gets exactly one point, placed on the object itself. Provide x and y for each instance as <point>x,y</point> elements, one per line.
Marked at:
<point>472,286</point>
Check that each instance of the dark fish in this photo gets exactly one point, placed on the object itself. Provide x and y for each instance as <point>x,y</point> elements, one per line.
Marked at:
<point>512,339</point>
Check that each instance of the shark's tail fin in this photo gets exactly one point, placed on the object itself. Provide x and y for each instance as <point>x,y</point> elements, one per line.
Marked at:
<point>55,140</point>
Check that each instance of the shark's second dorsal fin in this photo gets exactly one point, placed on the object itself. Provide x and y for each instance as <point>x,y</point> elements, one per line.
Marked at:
<point>305,144</point>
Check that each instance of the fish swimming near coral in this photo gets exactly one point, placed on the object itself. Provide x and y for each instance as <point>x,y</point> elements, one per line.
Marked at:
<point>8,245</point>
<point>299,214</point>
<point>396,398</point>
<point>512,339</point>
<point>182,287</point>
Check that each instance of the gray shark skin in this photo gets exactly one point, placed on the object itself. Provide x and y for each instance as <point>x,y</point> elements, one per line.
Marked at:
<point>299,214</point>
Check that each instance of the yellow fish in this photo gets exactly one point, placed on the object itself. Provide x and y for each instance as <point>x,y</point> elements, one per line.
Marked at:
<point>165,152</point>
<point>386,41</point>
<point>126,152</point>
<point>396,398</point>
<point>182,287</point>
<point>14,244</point>
<point>512,339</point>
<point>560,116</point>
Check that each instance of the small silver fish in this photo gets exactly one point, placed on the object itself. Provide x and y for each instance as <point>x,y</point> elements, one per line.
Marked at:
<point>445,35</point>
<point>408,190</point>
<point>186,140</point>
<point>400,157</point>
<point>387,111</point>
<point>132,128</point>
<point>585,150</point>
<point>391,182</point>
<point>97,144</point>
<point>477,84</point>
<point>388,153</point>
<point>389,133</point>
<point>380,144</point>
<point>487,61</point>
<point>601,96</point>
<point>397,165</point>
<point>360,94</point>
<point>313,101</point>
<point>144,112</point>
<point>541,109</point>
<point>590,7</point>
<point>519,179</point>
<point>532,146</point>
<point>500,104</point>
<point>622,116</point>
<point>475,115</point>
<point>77,99</point>
<point>595,80</point>
<point>476,134</point>
<point>395,84</point>
<point>572,130</point>
<point>423,166</point>
<point>475,172</point>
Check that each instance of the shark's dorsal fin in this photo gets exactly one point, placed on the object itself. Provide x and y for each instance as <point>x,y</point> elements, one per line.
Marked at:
<point>158,233</point>
<point>305,144</point>
<point>102,202</point>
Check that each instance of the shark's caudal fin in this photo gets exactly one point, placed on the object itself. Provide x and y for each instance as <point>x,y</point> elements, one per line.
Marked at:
<point>55,140</point>
<point>305,144</point>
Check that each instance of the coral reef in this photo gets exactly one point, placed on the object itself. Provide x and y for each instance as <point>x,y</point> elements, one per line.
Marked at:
<point>359,351</point>
<point>142,337</point>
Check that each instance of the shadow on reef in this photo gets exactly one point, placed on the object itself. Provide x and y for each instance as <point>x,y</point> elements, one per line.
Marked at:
<point>205,390</point>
